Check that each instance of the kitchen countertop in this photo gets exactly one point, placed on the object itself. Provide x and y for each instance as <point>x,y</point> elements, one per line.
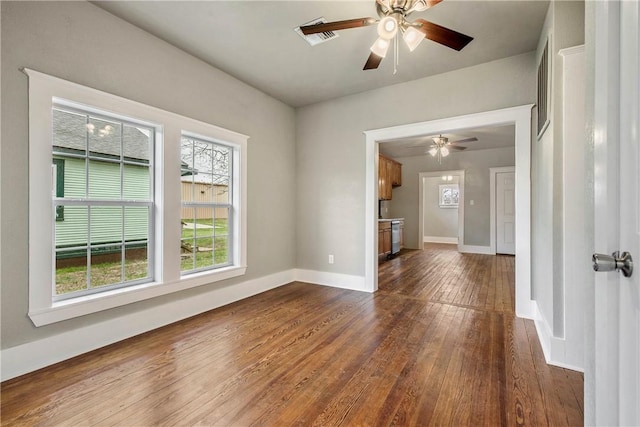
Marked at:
<point>390,219</point>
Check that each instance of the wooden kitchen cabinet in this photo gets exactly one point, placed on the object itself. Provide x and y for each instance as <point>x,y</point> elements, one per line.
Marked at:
<point>389,176</point>
<point>384,179</point>
<point>396,173</point>
<point>384,238</point>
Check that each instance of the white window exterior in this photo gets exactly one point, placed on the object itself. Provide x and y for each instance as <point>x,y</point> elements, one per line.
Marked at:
<point>141,208</point>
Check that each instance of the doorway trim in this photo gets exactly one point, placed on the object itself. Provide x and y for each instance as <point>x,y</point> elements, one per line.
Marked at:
<point>436,174</point>
<point>521,118</point>
<point>492,204</point>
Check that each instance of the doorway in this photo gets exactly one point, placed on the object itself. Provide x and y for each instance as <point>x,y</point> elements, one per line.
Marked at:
<point>450,220</point>
<point>521,118</point>
<point>502,210</point>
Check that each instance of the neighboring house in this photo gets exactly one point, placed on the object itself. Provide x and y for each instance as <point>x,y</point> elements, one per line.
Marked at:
<point>202,193</point>
<point>100,178</point>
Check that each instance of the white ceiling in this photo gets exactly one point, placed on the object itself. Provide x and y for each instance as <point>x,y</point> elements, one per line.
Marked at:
<point>254,41</point>
<point>488,137</point>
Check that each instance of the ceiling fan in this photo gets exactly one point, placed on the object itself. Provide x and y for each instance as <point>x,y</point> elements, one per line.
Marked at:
<point>393,21</point>
<point>442,146</point>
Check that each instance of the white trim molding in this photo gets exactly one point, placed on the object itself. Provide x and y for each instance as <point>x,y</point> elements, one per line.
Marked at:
<point>440,239</point>
<point>471,249</point>
<point>557,351</point>
<point>519,116</point>
<point>335,280</point>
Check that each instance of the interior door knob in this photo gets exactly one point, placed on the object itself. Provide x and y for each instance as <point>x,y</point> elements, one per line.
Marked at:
<point>616,261</point>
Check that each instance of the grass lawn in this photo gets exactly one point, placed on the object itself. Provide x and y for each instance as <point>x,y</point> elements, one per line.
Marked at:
<point>210,239</point>
<point>71,279</point>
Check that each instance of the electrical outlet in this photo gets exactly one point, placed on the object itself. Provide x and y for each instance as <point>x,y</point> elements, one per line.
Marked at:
<point>330,259</point>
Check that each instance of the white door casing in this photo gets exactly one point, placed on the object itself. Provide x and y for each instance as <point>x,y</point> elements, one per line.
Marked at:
<point>505,213</point>
<point>612,377</point>
<point>521,117</point>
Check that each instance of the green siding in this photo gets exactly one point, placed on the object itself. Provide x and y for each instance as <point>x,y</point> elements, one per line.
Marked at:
<point>106,222</point>
<point>74,178</point>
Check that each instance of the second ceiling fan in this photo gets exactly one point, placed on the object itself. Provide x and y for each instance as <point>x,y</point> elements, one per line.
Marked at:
<point>393,20</point>
<point>441,146</point>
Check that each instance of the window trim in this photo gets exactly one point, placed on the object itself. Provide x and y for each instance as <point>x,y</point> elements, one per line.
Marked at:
<point>43,90</point>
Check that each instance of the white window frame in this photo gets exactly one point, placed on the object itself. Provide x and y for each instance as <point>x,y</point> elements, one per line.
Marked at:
<point>90,202</point>
<point>213,205</point>
<point>43,91</point>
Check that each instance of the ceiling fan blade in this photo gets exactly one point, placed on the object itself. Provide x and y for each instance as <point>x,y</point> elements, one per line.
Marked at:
<point>431,3</point>
<point>464,141</point>
<point>422,5</point>
<point>337,25</point>
<point>455,147</point>
<point>372,62</point>
<point>442,35</point>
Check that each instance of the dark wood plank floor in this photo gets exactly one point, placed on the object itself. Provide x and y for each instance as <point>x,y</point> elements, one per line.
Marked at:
<point>438,344</point>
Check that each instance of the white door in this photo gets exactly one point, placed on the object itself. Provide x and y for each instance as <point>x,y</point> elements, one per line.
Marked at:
<point>506,213</point>
<point>612,375</point>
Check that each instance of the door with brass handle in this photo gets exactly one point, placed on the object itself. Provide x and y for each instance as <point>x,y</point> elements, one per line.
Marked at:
<point>616,261</point>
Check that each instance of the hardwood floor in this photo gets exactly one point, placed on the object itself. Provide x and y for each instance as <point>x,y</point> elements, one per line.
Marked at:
<point>437,344</point>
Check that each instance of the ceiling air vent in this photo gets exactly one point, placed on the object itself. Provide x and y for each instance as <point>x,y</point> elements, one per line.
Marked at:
<point>314,39</point>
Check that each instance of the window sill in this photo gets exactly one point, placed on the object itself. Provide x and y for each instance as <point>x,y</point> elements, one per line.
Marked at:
<point>89,304</point>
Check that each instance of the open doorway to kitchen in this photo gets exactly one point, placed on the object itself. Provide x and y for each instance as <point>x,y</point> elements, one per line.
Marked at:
<point>520,119</point>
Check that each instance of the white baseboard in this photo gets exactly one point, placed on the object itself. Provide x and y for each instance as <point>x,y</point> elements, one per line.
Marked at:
<point>554,349</point>
<point>336,280</point>
<point>439,239</point>
<point>469,249</point>
<point>34,355</point>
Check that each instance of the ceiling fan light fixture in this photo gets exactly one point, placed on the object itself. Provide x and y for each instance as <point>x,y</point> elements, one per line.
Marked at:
<point>387,27</point>
<point>444,151</point>
<point>380,47</point>
<point>412,38</point>
<point>433,151</point>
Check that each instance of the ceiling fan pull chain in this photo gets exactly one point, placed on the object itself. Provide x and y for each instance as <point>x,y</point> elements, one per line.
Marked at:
<point>396,54</point>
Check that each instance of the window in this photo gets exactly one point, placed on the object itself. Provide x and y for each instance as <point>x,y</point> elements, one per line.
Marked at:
<point>206,188</point>
<point>108,221</point>
<point>104,181</point>
<point>449,195</point>
<point>543,97</point>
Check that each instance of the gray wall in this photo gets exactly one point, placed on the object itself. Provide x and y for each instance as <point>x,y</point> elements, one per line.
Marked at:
<point>331,150</point>
<point>476,165</point>
<point>565,24</point>
<point>82,43</point>
<point>438,222</point>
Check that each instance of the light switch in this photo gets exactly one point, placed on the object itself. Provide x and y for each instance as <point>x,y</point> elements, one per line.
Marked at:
<point>471,202</point>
